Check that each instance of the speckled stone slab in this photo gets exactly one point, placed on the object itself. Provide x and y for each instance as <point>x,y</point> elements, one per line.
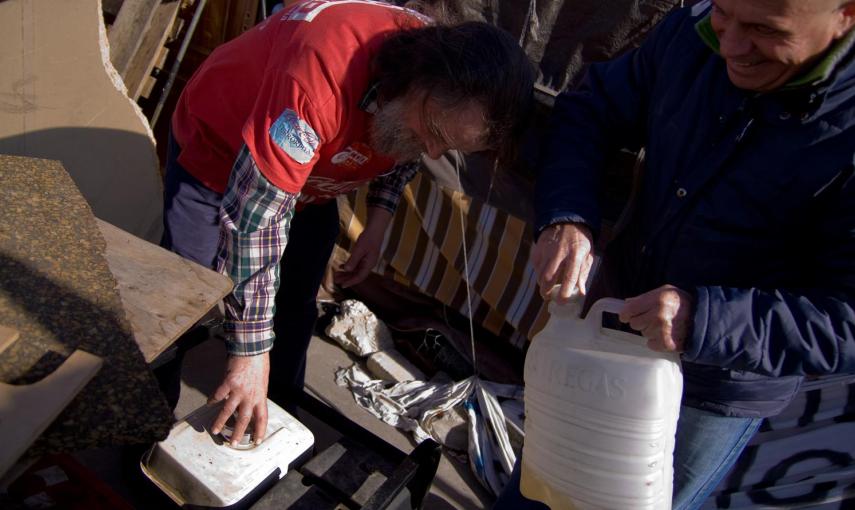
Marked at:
<point>57,291</point>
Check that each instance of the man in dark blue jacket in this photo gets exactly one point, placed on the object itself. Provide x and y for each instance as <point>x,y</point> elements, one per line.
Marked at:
<point>741,250</point>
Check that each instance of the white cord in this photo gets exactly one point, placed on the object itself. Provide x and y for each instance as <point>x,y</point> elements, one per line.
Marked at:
<point>466,274</point>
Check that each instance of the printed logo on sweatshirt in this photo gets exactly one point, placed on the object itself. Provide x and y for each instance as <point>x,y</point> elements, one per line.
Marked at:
<point>353,156</point>
<point>324,188</point>
<point>294,136</point>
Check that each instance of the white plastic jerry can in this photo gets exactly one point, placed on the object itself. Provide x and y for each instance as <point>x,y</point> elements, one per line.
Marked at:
<point>601,414</point>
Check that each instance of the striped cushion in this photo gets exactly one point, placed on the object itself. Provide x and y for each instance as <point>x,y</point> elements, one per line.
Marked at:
<point>423,251</point>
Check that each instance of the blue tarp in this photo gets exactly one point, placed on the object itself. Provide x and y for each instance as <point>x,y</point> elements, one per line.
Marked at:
<point>802,458</point>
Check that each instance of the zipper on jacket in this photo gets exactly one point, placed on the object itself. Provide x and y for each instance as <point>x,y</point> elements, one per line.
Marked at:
<point>744,131</point>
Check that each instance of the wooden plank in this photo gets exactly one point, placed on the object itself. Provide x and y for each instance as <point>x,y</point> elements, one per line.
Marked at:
<point>163,293</point>
<point>146,56</point>
<point>241,17</point>
<point>160,63</point>
<point>21,422</point>
<point>150,81</point>
<point>221,22</point>
<point>127,32</point>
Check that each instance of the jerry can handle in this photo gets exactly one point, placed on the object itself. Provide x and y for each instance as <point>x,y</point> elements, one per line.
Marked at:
<point>594,321</point>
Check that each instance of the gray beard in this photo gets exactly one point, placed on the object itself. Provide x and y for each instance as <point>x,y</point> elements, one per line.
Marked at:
<point>390,137</point>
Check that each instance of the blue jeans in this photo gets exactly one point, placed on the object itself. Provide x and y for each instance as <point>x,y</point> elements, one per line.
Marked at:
<point>512,499</point>
<point>706,447</point>
<point>191,219</point>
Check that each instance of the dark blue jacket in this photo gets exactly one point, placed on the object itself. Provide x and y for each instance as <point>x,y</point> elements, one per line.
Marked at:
<point>747,199</point>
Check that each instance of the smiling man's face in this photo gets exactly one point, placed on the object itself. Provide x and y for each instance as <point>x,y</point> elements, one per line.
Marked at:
<point>766,43</point>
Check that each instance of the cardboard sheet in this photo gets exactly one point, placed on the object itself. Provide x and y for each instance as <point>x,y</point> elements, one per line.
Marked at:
<point>61,99</point>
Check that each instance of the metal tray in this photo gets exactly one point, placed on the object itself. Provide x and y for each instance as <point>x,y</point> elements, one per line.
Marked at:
<point>196,468</point>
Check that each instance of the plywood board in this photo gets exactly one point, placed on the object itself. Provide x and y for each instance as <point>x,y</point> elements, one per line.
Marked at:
<point>163,293</point>
<point>60,98</point>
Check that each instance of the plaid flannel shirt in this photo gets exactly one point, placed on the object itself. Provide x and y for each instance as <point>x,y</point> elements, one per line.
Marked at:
<point>255,219</point>
<point>385,191</point>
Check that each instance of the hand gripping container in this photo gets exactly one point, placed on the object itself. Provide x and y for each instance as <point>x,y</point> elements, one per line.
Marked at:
<point>601,414</point>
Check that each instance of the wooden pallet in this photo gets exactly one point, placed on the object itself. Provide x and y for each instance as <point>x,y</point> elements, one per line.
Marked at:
<point>140,37</point>
<point>148,40</point>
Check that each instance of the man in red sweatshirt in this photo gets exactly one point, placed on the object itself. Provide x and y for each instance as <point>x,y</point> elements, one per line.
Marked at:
<point>313,102</point>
